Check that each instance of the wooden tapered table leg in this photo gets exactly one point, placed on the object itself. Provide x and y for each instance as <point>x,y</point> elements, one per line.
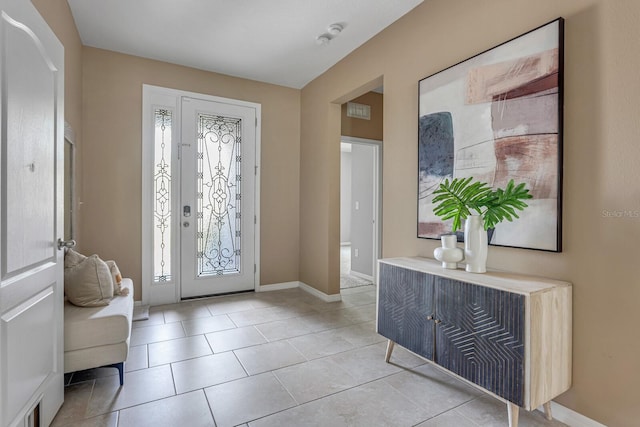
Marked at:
<point>513,411</point>
<point>390,345</point>
<point>547,410</point>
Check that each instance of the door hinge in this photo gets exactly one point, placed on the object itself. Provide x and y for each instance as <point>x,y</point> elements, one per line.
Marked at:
<point>255,219</point>
<point>255,268</point>
<point>256,122</point>
<point>255,170</point>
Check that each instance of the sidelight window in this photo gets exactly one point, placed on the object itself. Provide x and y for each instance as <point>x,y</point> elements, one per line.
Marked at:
<point>162,196</point>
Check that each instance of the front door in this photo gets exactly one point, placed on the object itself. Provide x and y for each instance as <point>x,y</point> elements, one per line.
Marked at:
<point>217,209</point>
<point>31,217</point>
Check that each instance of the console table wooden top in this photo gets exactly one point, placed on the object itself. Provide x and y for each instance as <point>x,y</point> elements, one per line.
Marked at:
<point>506,281</point>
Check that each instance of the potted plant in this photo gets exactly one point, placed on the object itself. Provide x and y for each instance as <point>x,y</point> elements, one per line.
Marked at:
<point>482,207</point>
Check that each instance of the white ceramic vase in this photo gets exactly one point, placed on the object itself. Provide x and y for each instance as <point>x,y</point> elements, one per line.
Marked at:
<point>449,254</point>
<point>475,244</point>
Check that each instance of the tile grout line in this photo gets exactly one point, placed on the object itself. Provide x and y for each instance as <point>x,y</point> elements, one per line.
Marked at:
<point>463,415</point>
<point>213,416</point>
<point>241,365</point>
<point>314,311</point>
<point>342,391</point>
<point>284,387</point>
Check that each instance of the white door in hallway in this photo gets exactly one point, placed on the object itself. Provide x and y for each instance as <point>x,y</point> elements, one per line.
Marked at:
<point>218,208</point>
<point>31,217</point>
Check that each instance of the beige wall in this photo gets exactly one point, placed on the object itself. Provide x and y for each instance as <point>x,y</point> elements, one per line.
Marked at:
<point>112,129</point>
<point>58,16</point>
<point>360,128</point>
<point>600,167</point>
<point>601,152</point>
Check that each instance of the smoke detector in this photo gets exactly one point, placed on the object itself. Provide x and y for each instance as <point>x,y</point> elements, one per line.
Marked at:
<point>323,39</point>
<point>332,31</point>
<point>335,29</point>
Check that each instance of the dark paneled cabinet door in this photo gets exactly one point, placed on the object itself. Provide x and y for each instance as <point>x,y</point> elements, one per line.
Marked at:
<point>404,307</point>
<point>480,336</point>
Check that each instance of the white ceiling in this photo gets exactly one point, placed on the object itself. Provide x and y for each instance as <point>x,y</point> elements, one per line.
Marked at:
<point>272,41</point>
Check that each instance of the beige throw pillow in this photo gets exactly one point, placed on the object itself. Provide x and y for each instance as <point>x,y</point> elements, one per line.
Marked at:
<point>72,258</point>
<point>117,279</point>
<point>89,283</point>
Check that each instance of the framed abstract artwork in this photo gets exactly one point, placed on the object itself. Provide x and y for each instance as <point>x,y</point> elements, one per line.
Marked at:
<point>494,117</point>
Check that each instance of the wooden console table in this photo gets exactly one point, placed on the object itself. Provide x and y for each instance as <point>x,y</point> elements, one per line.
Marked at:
<point>507,334</point>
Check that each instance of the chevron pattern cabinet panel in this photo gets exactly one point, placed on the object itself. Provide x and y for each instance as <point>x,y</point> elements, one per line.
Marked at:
<point>406,301</point>
<point>505,333</point>
<point>481,336</point>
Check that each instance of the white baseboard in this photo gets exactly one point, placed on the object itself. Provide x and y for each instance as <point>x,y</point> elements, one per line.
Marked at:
<point>570,417</point>
<point>277,286</point>
<point>290,285</point>
<point>361,275</point>
<point>324,297</point>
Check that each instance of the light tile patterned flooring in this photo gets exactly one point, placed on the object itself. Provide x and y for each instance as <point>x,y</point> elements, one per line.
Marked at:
<point>282,358</point>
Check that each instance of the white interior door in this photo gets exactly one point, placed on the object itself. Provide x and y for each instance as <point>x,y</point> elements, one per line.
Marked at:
<point>217,211</point>
<point>31,217</point>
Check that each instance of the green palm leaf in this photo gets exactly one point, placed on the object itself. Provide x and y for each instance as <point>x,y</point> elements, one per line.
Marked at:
<point>504,203</point>
<point>456,200</point>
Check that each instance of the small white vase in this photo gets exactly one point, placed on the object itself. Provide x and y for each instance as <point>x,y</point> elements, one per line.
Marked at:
<point>449,254</point>
<point>475,244</point>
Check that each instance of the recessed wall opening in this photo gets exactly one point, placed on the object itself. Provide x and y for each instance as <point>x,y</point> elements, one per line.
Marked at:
<point>360,191</point>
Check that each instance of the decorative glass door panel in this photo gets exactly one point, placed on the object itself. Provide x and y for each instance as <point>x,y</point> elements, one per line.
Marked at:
<point>217,204</point>
<point>219,183</point>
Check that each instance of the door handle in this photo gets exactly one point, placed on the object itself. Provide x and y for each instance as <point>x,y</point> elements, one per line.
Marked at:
<point>186,211</point>
<point>66,244</point>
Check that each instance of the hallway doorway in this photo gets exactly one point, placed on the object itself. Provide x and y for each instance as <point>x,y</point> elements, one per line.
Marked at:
<point>359,211</point>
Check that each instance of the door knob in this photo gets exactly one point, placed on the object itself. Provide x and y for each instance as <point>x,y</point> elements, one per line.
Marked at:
<point>185,224</point>
<point>68,244</point>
